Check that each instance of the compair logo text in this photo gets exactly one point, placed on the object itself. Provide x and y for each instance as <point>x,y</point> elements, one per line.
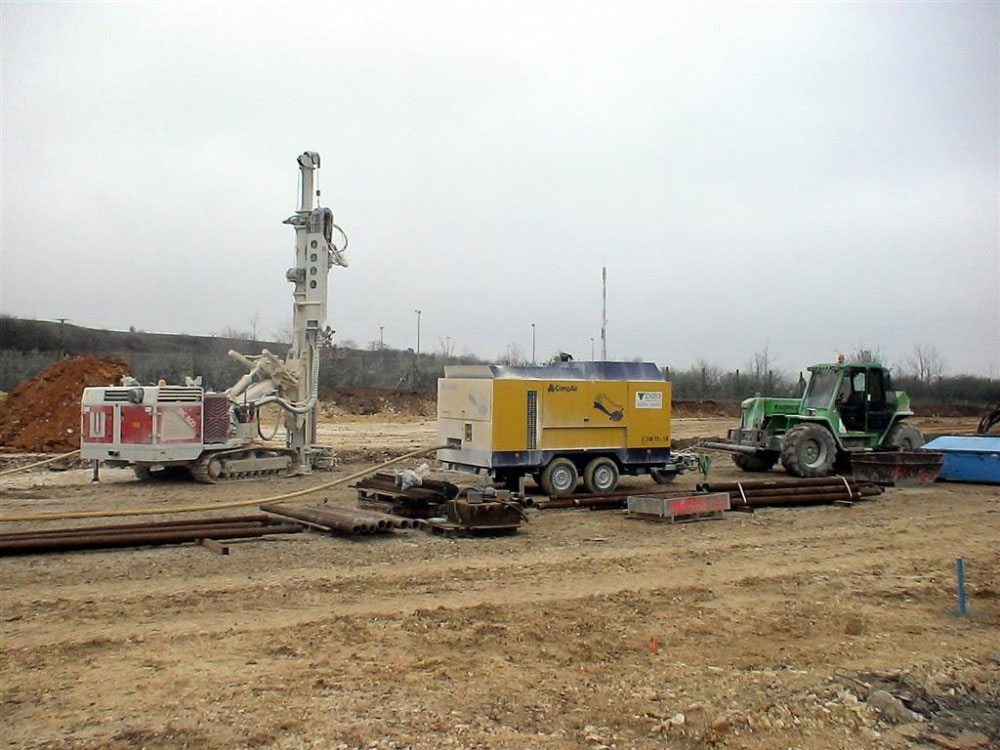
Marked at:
<point>553,388</point>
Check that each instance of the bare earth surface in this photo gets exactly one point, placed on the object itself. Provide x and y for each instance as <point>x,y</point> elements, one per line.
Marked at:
<point>772,628</point>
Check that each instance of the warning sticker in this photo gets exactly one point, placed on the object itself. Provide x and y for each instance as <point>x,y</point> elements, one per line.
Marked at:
<point>648,399</point>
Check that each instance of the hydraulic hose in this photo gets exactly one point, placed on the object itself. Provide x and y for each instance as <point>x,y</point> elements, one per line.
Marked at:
<point>38,463</point>
<point>215,506</point>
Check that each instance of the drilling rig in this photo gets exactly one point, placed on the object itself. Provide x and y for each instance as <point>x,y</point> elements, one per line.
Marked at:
<point>217,436</point>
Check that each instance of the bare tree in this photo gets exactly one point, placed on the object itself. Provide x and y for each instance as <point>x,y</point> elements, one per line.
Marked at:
<point>285,333</point>
<point>864,353</point>
<point>511,355</point>
<point>925,364</point>
<point>231,332</point>
<point>446,348</point>
<point>759,364</point>
<point>255,324</point>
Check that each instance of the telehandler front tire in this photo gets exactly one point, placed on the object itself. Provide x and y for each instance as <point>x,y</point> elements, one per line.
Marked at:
<point>809,451</point>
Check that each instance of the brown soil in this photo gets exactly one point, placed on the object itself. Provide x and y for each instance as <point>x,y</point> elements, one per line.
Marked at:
<point>366,401</point>
<point>706,408</point>
<point>43,414</point>
<point>771,628</point>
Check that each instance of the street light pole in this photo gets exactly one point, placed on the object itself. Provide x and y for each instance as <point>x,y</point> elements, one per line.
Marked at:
<point>591,348</point>
<point>532,343</point>
<point>418,331</point>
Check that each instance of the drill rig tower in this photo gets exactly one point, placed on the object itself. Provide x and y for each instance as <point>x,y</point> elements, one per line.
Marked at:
<point>215,435</point>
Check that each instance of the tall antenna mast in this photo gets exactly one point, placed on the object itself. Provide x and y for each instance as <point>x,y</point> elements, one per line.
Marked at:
<point>604,312</point>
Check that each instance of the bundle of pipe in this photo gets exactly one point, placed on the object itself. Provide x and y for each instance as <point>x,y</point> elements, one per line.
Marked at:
<point>342,520</point>
<point>764,492</point>
<point>142,534</point>
<point>430,489</point>
<point>609,501</point>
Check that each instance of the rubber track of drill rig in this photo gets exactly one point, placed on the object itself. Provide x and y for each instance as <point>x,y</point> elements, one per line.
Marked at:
<point>200,472</point>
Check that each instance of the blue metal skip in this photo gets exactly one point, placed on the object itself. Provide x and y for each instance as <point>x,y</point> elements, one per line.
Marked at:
<point>968,458</point>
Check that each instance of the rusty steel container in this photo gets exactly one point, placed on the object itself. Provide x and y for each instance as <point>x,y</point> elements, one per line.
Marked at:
<point>898,468</point>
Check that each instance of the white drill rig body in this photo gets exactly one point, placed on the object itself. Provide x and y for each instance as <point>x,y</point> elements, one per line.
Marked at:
<point>213,435</point>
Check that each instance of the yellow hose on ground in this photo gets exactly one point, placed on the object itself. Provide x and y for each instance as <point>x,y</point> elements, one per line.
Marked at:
<point>215,506</point>
<point>38,463</point>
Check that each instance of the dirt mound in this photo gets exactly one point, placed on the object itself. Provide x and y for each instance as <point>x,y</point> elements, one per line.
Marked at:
<point>707,408</point>
<point>377,401</point>
<point>43,414</point>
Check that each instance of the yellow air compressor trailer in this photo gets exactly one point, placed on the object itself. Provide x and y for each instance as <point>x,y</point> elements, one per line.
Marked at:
<point>557,423</point>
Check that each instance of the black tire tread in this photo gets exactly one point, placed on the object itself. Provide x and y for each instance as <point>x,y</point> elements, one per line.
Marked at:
<point>590,470</point>
<point>755,462</point>
<point>789,451</point>
<point>547,477</point>
<point>904,433</point>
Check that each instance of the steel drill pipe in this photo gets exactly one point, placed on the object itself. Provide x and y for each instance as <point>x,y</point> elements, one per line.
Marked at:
<point>627,494</point>
<point>140,538</point>
<point>335,519</point>
<point>809,499</point>
<point>842,487</point>
<point>793,491</point>
<point>385,518</point>
<point>761,483</point>
<point>258,518</point>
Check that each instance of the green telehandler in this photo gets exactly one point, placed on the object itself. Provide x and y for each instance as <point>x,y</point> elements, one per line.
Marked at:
<point>847,407</point>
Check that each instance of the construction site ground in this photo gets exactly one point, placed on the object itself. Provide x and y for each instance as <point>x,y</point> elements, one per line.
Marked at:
<point>771,628</point>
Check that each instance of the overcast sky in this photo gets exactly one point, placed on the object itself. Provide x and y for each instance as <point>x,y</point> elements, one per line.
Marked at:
<point>806,176</point>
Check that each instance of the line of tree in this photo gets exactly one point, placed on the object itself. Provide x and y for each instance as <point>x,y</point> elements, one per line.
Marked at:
<point>29,346</point>
<point>922,374</point>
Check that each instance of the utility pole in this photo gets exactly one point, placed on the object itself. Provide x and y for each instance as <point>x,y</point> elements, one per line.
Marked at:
<point>381,337</point>
<point>604,313</point>
<point>418,331</point>
<point>591,348</point>
<point>62,337</point>
<point>532,343</point>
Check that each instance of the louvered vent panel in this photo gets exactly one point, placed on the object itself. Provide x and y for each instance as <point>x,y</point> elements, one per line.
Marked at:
<point>178,393</point>
<point>532,419</point>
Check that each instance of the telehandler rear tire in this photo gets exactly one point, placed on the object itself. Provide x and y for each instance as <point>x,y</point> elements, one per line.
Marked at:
<point>904,436</point>
<point>560,477</point>
<point>809,451</point>
<point>759,461</point>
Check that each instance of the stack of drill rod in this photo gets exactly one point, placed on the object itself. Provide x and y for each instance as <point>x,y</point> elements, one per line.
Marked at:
<point>431,490</point>
<point>340,520</point>
<point>142,534</point>
<point>607,501</point>
<point>763,492</point>
<point>427,500</point>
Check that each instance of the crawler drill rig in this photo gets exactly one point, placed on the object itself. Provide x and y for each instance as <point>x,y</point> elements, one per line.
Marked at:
<point>217,436</point>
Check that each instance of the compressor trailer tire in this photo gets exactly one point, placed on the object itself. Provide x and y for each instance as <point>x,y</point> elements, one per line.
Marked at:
<point>560,477</point>
<point>601,476</point>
